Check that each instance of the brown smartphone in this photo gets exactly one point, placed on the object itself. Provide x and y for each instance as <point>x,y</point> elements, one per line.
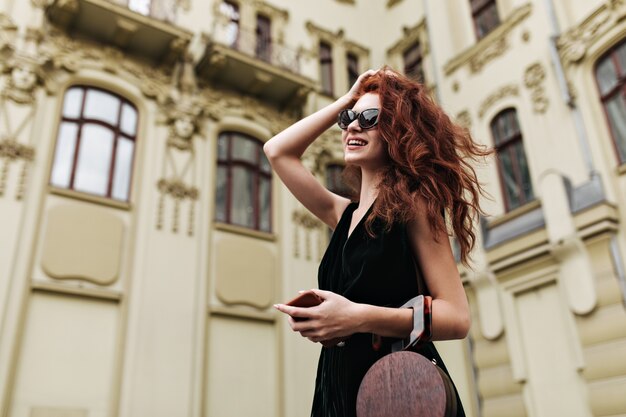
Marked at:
<point>306,299</point>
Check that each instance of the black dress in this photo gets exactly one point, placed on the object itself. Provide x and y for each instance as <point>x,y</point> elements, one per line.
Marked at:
<point>378,271</point>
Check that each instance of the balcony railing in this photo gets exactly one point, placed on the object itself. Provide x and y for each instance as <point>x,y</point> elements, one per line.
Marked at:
<point>251,43</point>
<point>164,10</point>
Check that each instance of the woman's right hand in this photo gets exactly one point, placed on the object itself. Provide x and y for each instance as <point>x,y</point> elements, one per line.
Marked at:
<point>357,84</point>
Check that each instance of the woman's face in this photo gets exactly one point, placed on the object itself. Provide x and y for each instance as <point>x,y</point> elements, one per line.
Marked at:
<point>364,147</point>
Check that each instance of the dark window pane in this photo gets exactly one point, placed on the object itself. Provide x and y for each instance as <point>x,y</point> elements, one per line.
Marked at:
<point>353,68</point>
<point>511,187</point>
<point>263,38</point>
<point>616,111</point>
<point>265,164</point>
<point>334,180</point>
<point>222,147</point>
<point>606,76</point>
<point>413,67</point>
<point>485,17</point>
<point>526,189</point>
<point>326,68</point>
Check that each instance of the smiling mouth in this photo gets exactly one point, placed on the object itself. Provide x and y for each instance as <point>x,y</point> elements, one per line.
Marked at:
<point>356,142</point>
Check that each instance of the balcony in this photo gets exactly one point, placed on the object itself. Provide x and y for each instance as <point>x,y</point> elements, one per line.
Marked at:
<point>142,28</point>
<point>240,59</point>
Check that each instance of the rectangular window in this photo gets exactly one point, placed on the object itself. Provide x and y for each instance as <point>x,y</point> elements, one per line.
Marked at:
<point>353,68</point>
<point>413,67</point>
<point>485,16</point>
<point>326,68</point>
<point>263,38</point>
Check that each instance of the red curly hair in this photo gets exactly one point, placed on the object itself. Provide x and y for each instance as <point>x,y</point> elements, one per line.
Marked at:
<point>430,161</point>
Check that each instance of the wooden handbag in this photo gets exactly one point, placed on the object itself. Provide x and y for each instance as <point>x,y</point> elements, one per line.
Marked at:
<point>404,383</point>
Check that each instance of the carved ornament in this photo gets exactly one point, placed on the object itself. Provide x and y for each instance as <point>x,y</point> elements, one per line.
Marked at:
<point>495,44</point>
<point>13,150</point>
<point>325,148</point>
<point>533,80</point>
<point>464,119</point>
<point>574,44</point>
<point>510,90</point>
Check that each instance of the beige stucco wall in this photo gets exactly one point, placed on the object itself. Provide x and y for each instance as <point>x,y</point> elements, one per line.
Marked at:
<point>153,308</point>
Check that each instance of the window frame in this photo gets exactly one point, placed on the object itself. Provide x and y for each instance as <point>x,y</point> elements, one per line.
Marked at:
<point>417,63</point>
<point>326,63</point>
<point>352,67</point>
<point>478,7</point>
<point>508,145</point>
<point>611,54</point>
<point>257,172</point>
<point>263,38</point>
<point>80,121</point>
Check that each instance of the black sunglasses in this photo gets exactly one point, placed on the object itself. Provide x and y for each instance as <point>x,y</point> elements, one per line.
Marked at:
<point>367,118</point>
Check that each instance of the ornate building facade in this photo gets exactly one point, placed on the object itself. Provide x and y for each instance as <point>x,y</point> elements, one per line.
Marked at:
<point>144,238</point>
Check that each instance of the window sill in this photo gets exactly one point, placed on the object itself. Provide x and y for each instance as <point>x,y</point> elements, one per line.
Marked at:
<point>89,198</point>
<point>517,212</point>
<point>240,230</point>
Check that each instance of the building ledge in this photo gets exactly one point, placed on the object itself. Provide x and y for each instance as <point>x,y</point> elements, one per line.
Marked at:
<point>114,24</point>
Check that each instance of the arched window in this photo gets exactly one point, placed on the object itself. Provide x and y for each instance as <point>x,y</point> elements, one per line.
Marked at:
<point>611,79</point>
<point>95,144</point>
<point>512,163</point>
<point>244,182</point>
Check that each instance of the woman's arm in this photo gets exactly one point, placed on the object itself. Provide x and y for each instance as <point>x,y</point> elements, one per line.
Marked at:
<point>338,317</point>
<point>285,149</point>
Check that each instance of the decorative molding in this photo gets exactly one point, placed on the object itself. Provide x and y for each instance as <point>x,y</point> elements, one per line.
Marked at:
<point>492,46</point>
<point>303,219</point>
<point>178,191</point>
<point>269,10</point>
<point>417,33</point>
<point>324,34</point>
<point>510,90</point>
<point>534,77</point>
<point>464,119</point>
<point>574,43</point>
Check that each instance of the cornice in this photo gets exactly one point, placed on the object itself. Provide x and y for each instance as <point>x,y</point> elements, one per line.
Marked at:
<point>495,44</point>
<point>411,35</point>
<point>574,44</point>
<point>324,34</point>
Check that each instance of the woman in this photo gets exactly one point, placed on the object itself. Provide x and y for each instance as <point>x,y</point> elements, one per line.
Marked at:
<point>405,155</point>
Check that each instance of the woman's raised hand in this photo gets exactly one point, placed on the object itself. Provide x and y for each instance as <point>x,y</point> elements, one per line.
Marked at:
<point>357,84</point>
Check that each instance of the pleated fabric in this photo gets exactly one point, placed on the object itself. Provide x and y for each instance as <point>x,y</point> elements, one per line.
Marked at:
<point>378,271</point>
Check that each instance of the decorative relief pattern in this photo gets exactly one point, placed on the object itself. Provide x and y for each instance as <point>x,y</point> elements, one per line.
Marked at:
<point>533,80</point>
<point>178,191</point>
<point>574,44</point>
<point>23,72</point>
<point>493,45</point>
<point>302,219</point>
<point>464,119</point>
<point>510,90</point>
